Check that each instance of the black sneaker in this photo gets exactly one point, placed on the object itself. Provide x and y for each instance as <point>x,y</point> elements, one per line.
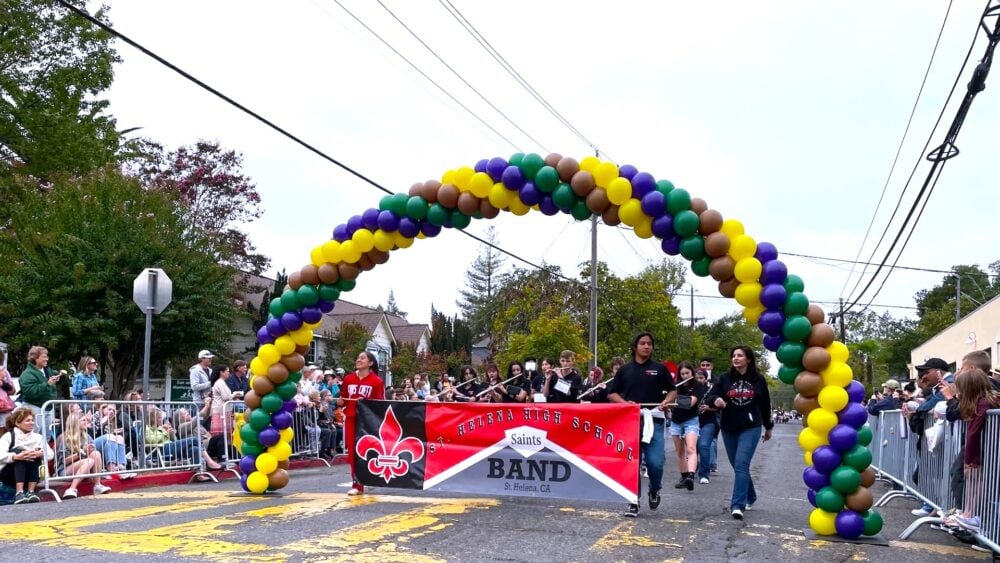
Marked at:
<point>33,497</point>
<point>632,511</point>
<point>21,498</point>
<point>654,500</point>
<point>681,483</point>
<point>689,482</point>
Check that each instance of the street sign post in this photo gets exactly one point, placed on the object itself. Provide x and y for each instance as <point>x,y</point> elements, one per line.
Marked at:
<point>152,291</point>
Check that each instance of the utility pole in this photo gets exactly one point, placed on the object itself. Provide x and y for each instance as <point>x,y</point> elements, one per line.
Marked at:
<point>693,318</point>
<point>593,286</point>
<point>958,297</point>
<point>843,334</point>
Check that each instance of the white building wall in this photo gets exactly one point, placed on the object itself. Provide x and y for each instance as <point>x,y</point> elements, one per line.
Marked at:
<point>979,330</point>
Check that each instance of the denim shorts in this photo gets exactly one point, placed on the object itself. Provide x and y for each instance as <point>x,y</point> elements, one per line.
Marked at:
<point>689,426</point>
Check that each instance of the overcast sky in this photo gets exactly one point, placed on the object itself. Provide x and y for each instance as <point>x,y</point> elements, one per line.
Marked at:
<point>784,115</point>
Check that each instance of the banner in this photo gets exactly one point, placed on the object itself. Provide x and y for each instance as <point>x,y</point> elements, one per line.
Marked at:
<point>575,451</point>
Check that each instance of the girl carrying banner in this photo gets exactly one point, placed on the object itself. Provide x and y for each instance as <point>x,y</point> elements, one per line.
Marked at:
<point>363,383</point>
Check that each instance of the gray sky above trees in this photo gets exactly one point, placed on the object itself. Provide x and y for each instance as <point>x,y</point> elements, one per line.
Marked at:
<point>784,115</point>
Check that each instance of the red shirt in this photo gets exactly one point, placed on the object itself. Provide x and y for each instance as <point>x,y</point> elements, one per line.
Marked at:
<point>354,387</point>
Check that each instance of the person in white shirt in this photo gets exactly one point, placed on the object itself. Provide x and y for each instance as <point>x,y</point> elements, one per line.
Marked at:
<point>199,375</point>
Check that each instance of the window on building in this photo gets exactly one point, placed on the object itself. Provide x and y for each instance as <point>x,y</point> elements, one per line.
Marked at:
<point>311,354</point>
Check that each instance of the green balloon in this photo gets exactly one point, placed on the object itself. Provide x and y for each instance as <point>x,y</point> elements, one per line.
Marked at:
<point>858,457</point>
<point>787,374</point>
<point>844,479</point>
<point>346,285</point>
<point>416,207</point>
<point>790,353</point>
<point>700,266</point>
<point>295,376</point>
<point>515,159</point>
<point>307,294</point>
<point>563,197</point>
<point>251,449</point>
<point>873,523</point>
<point>794,284</point>
<point>398,204</point>
<point>329,292</point>
<point>286,390</point>
<point>276,308</point>
<point>437,215</point>
<point>290,300</point>
<point>693,247</point>
<point>865,435</point>
<point>796,328</point>
<point>249,435</point>
<point>259,418</point>
<point>829,499</point>
<point>271,403</point>
<point>686,223</point>
<point>678,200</point>
<point>385,203</point>
<point>458,220</point>
<point>530,165</point>
<point>664,187</point>
<point>580,211</point>
<point>547,179</point>
<point>796,304</point>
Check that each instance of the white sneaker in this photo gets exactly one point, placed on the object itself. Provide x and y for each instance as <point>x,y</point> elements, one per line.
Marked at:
<point>922,511</point>
<point>703,480</point>
<point>102,489</point>
<point>70,493</point>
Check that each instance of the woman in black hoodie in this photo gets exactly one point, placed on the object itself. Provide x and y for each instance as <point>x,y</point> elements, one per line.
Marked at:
<point>742,397</point>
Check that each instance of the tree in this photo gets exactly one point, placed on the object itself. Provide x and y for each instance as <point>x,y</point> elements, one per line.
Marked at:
<point>352,338</point>
<point>449,334</point>
<point>718,338</point>
<point>73,252</point>
<point>482,279</point>
<point>259,315</point>
<point>547,336</point>
<point>406,362</point>
<point>525,295</point>
<point>391,307</point>
<point>55,67</point>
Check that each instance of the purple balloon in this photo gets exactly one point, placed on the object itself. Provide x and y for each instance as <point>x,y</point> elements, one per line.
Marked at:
<point>843,438</point>
<point>340,233</point>
<point>643,183</point>
<point>850,525</point>
<point>248,464</point>
<point>430,229</point>
<point>275,328</point>
<point>811,495</point>
<point>291,321</point>
<point>512,178</point>
<point>814,479</point>
<point>264,337</point>
<point>766,252</point>
<point>354,223</point>
<point>628,171</point>
<point>281,419</point>
<point>654,203</point>
<point>325,306</point>
<point>529,194</point>
<point>243,483</point>
<point>481,165</point>
<point>408,227</point>
<point>671,245</point>
<point>495,168</point>
<point>771,322</point>
<point>773,296</point>
<point>269,436</point>
<point>825,459</point>
<point>856,391</point>
<point>853,415</point>
<point>311,314</point>
<point>772,343</point>
<point>288,406</point>
<point>388,221</point>
<point>774,271</point>
<point>663,226</point>
<point>370,218</point>
<point>547,206</point>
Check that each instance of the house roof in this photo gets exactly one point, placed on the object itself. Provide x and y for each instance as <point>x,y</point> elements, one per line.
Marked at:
<point>409,333</point>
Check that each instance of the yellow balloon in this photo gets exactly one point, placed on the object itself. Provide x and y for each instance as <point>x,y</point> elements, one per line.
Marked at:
<point>421,235</point>
<point>316,256</point>
<point>748,270</point>
<point>448,177</point>
<point>284,344</point>
<point>287,434</point>
<point>809,439</point>
<point>258,367</point>
<point>590,163</point>
<point>731,228</point>
<point>462,178</point>
<point>644,228</point>
<point>808,456</point>
<point>748,294</point>
<point>833,398</point>
<point>517,207</point>
<point>383,241</point>
<point>822,420</point>
<point>257,482</point>
<point>312,326</point>
<point>281,451</point>
<point>349,251</point>
<point>837,374</point>
<point>604,173</point>
<point>619,191</point>
<point>331,251</point>
<point>480,184</point>
<point>630,212</point>
<point>266,463</point>
<point>364,240</point>
<point>500,196</point>
<point>838,351</point>
<point>268,354</point>
<point>302,337</point>
<point>822,522</point>
<point>752,314</point>
<point>742,246</point>
<point>401,241</point>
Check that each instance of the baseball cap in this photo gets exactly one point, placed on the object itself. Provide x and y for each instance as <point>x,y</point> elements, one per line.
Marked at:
<point>934,363</point>
<point>205,354</point>
<point>340,371</point>
<point>312,368</point>
<point>328,372</point>
<point>891,384</point>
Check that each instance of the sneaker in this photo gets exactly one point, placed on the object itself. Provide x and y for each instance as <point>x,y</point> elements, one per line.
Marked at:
<point>645,472</point>
<point>356,490</point>
<point>126,476</point>
<point>33,497</point>
<point>101,489</point>
<point>715,470</point>
<point>680,484</point>
<point>22,498</point>
<point>654,500</point>
<point>922,511</point>
<point>748,507</point>
<point>737,514</point>
<point>632,511</point>
<point>689,482</point>
<point>971,524</point>
<point>70,493</point>
<point>703,480</point>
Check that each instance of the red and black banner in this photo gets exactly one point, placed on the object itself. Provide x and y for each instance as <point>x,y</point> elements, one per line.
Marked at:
<point>585,451</point>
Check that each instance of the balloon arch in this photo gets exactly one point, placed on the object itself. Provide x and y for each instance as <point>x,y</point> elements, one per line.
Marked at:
<point>836,436</point>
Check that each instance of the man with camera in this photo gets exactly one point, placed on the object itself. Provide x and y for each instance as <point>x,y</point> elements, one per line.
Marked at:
<point>887,400</point>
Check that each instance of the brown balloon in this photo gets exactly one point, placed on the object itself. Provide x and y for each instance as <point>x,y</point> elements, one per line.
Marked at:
<point>252,400</point>
<point>709,221</point>
<point>868,477</point>
<point>249,410</point>
<point>808,384</point>
<point>284,464</point>
<point>727,287</point>
<point>278,479</point>
<point>348,271</point>
<point>447,196</point>
<point>815,359</point>
<point>309,274</point>
<point>721,268</point>
<point>487,210</point>
<point>597,201</point>
<point>717,244</point>
<point>262,386</point>
<point>415,189</point>
<point>429,191</point>
<point>294,280</point>
<point>302,349</point>
<point>365,263</point>
<point>294,362</point>
<point>610,216</point>
<point>698,205</point>
<point>822,335</point>
<point>378,256</point>
<point>277,373</point>
<point>582,183</point>
<point>815,314</point>
<point>328,273</point>
<point>468,203</point>
<point>805,405</point>
<point>552,159</point>
<point>860,500</point>
<point>567,167</point>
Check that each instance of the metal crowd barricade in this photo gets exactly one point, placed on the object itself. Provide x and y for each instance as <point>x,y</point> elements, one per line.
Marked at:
<point>230,462</point>
<point>116,434</point>
<point>894,448</point>
<point>306,441</point>
<point>986,499</point>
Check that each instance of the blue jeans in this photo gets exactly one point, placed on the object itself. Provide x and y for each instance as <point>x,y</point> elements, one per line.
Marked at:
<point>654,455</point>
<point>713,453</point>
<point>740,448</point>
<point>706,438</point>
<point>185,448</point>
<point>111,451</point>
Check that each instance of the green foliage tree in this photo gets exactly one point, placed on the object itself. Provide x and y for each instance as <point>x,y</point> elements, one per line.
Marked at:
<point>406,362</point>
<point>716,339</point>
<point>526,295</point>
<point>547,336</point>
<point>449,334</point>
<point>351,339</point>
<point>482,281</point>
<point>392,308</point>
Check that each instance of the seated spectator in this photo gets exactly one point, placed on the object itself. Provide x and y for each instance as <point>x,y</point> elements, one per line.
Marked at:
<point>77,455</point>
<point>420,386</point>
<point>22,452</point>
<point>408,390</point>
<point>109,439</point>
<point>159,432</point>
<point>324,421</point>
<point>886,400</point>
<point>188,426</point>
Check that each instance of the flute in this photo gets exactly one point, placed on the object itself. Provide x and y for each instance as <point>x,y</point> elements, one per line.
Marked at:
<point>600,385</point>
<point>452,388</point>
<point>492,387</point>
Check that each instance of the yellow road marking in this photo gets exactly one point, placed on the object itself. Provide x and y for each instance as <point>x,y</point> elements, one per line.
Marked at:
<point>622,536</point>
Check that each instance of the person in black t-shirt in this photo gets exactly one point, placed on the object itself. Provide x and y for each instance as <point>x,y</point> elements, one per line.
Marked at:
<point>646,382</point>
<point>563,384</point>
<point>595,390</point>
<point>708,431</point>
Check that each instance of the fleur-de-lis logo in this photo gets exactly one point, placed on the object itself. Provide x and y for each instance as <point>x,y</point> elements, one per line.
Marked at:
<point>388,448</point>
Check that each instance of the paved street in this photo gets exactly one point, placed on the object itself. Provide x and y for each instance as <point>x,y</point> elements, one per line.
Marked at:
<point>315,521</point>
